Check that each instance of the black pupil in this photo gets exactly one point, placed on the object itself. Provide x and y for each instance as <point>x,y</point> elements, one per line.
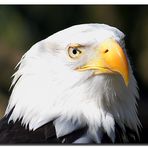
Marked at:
<point>74,51</point>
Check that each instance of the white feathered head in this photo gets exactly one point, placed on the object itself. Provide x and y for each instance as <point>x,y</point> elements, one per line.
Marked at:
<point>81,74</point>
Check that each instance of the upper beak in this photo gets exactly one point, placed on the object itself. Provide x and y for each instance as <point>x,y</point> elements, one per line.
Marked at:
<point>109,58</point>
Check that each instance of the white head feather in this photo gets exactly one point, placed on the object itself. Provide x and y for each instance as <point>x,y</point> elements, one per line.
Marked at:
<point>46,86</point>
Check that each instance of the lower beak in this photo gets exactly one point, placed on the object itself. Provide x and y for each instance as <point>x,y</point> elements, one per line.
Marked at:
<point>109,58</point>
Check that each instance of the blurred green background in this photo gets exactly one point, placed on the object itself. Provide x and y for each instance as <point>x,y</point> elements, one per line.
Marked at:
<point>23,26</point>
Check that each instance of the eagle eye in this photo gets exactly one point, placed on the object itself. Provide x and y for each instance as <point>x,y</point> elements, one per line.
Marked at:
<point>74,52</point>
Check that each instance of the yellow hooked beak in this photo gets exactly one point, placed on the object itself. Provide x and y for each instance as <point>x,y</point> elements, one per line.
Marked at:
<point>109,58</point>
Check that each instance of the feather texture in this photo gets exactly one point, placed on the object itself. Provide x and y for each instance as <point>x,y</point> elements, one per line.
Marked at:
<point>15,133</point>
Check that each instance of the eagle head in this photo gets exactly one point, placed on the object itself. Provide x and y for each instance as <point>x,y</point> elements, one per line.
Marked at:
<point>76,77</point>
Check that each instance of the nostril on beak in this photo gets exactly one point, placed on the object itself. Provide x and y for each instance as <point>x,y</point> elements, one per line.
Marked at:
<point>106,51</point>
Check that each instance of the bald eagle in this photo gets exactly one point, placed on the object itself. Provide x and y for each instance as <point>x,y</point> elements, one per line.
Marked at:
<point>76,86</point>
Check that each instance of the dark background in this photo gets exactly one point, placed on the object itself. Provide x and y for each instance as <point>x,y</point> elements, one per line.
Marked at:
<point>23,26</point>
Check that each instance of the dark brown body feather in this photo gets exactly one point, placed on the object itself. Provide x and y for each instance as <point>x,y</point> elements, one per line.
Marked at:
<point>15,133</point>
